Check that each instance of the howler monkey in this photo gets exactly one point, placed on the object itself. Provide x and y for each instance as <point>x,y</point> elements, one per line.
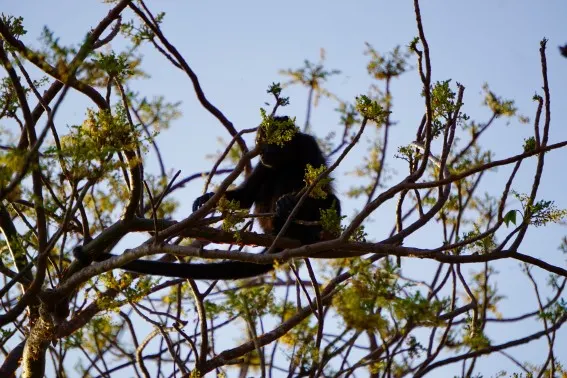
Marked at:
<point>272,187</point>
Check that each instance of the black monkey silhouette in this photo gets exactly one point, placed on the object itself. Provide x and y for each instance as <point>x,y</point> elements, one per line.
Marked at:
<point>272,187</point>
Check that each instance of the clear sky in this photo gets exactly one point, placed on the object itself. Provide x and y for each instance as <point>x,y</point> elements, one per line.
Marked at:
<point>237,48</point>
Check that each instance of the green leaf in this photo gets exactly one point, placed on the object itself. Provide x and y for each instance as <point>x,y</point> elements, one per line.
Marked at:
<point>510,217</point>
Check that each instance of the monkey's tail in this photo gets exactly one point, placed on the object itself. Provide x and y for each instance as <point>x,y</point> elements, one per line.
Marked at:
<point>228,270</point>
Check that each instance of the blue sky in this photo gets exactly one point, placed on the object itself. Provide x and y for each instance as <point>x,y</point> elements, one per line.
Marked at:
<point>237,49</point>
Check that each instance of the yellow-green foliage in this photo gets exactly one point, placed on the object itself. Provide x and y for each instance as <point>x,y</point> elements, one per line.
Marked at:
<point>11,162</point>
<point>132,291</point>
<point>386,66</point>
<point>359,235</point>
<point>255,301</point>
<point>168,205</point>
<point>474,337</point>
<point>115,66</point>
<point>348,115</point>
<point>101,332</point>
<point>481,246</point>
<point>331,221</point>
<point>302,337</point>
<point>86,148</point>
<point>370,109</point>
<point>442,100</point>
<point>311,174</point>
<point>498,105</point>
<point>419,309</point>
<point>375,292</point>
<point>529,144</point>
<point>312,76</point>
<point>14,25</point>
<point>541,212</point>
<point>232,215</point>
<point>358,303</point>
<point>444,105</point>
<point>273,131</point>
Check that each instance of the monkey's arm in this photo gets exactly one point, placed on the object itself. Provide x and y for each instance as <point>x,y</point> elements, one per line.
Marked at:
<point>246,192</point>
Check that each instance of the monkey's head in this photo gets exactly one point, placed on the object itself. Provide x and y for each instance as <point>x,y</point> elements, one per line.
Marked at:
<point>279,141</point>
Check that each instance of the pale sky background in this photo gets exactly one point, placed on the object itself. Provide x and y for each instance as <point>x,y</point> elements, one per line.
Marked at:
<point>237,49</point>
